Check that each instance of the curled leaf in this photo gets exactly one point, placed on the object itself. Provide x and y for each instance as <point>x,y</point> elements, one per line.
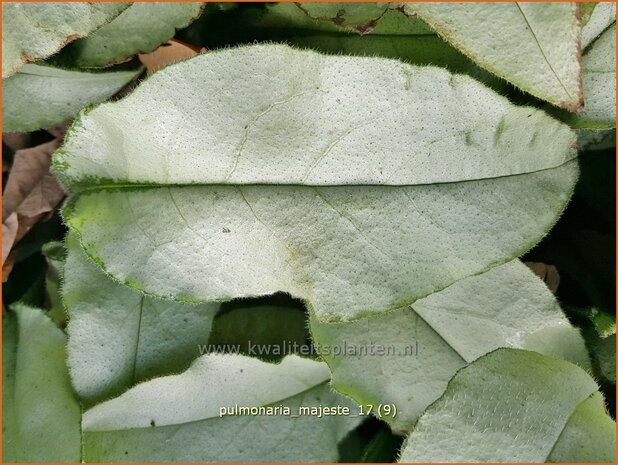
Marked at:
<point>118,337</point>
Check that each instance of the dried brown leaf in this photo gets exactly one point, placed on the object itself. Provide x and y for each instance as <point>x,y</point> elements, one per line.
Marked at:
<point>9,233</point>
<point>16,140</point>
<point>170,52</point>
<point>548,273</point>
<point>7,266</point>
<point>43,198</point>
<point>31,195</point>
<point>30,167</point>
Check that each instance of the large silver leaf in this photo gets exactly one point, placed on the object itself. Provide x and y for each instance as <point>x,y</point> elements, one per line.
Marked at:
<point>534,46</point>
<point>357,184</point>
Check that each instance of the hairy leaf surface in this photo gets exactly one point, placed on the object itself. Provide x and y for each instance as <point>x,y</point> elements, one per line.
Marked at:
<point>507,306</point>
<point>31,31</point>
<point>118,337</point>
<point>140,28</point>
<point>177,418</point>
<point>522,407</point>
<point>39,96</point>
<point>387,33</point>
<point>41,415</point>
<point>357,184</point>
<point>533,45</point>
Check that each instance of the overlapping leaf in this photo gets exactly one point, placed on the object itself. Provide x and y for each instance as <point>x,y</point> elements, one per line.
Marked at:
<point>41,96</point>
<point>41,416</point>
<point>516,406</point>
<point>174,418</point>
<point>534,46</point>
<point>118,337</point>
<point>140,28</point>
<point>386,32</point>
<point>599,64</point>
<point>602,16</point>
<point>367,187</point>
<point>358,184</point>
<point>428,342</point>
<point>32,31</point>
<point>178,418</point>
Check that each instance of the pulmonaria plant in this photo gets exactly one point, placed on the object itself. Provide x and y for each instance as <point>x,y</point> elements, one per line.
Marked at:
<point>340,161</point>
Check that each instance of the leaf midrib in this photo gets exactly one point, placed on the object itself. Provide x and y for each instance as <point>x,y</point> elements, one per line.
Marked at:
<point>90,187</point>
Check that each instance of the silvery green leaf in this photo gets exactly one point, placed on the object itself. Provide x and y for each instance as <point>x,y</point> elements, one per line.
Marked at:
<point>178,418</point>
<point>599,64</point>
<point>41,415</point>
<point>140,28</point>
<point>55,255</point>
<point>35,30</point>
<point>515,406</point>
<point>602,17</point>
<point>535,46</point>
<point>385,32</point>
<point>41,96</point>
<point>118,337</point>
